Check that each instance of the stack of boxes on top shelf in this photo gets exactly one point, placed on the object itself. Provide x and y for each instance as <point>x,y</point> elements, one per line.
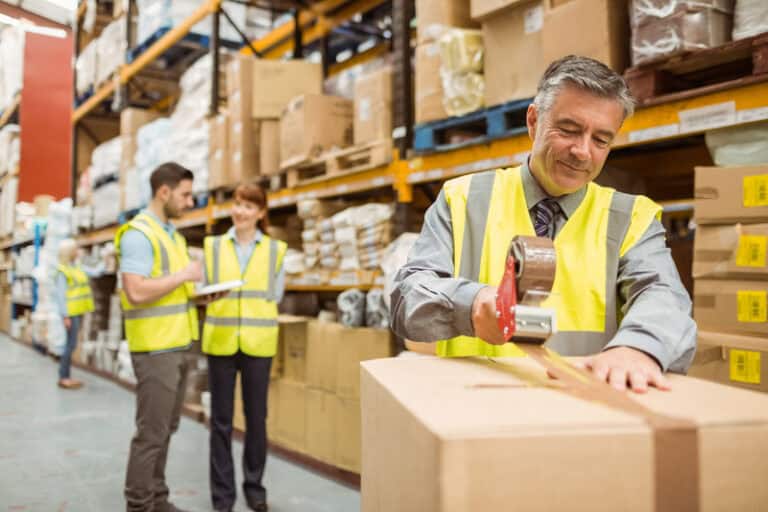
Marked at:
<point>245,139</point>
<point>314,394</point>
<point>731,275</point>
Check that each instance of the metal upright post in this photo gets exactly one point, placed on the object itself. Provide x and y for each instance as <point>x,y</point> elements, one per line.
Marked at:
<point>214,108</point>
<point>298,39</point>
<point>402,79</point>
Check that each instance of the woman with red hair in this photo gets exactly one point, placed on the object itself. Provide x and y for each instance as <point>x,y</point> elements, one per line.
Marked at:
<point>240,335</point>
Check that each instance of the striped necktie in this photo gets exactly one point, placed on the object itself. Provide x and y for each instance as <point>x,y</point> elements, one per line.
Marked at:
<point>544,216</point>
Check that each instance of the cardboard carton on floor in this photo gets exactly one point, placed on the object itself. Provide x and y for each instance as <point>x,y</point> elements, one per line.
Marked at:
<point>731,306</point>
<point>607,40</point>
<point>320,425</point>
<point>514,61</point>
<point>740,361</point>
<point>312,124</point>
<point>736,251</point>
<point>727,195</point>
<point>323,344</point>
<point>445,435</point>
<point>357,345</point>
<point>293,346</point>
<point>290,428</point>
<point>346,450</point>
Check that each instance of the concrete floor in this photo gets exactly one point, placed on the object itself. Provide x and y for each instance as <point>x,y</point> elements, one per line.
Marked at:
<point>66,451</point>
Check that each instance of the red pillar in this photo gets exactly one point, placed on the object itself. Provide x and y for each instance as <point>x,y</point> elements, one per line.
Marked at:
<point>46,117</point>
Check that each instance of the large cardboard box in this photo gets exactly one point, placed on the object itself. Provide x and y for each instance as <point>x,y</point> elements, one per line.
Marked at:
<point>428,99</point>
<point>131,119</point>
<point>346,450</point>
<point>731,306</point>
<point>434,15</point>
<point>290,427</point>
<point>293,342</point>
<point>514,60</point>
<point>608,37</point>
<point>269,147</point>
<point>483,9</point>
<point>243,149</point>
<point>373,106</point>
<point>323,344</point>
<point>736,251</point>
<point>321,424</point>
<point>726,195</point>
<point>358,344</point>
<point>218,151</point>
<point>312,124</point>
<point>481,435</point>
<point>740,361</point>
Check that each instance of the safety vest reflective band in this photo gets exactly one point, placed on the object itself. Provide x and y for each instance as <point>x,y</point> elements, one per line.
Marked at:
<point>171,321</point>
<point>79,295</point>
<point>489,209</point>
<point>246,319</point>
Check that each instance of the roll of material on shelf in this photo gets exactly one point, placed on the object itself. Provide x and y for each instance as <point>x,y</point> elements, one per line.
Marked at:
<point>351,305</point>
<point>376,312</point>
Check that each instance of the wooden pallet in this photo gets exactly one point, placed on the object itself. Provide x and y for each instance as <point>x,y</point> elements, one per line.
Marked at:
<point>698,72</point>
<point>333,163</point>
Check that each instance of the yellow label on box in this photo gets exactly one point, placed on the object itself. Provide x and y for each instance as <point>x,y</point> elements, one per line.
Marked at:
<point>752,251</point>
<point>756,190</point>
<point>752,306</point>
<point>745,366</point>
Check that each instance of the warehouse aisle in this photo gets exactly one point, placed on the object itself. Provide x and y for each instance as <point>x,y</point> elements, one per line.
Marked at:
<point>65,451</point>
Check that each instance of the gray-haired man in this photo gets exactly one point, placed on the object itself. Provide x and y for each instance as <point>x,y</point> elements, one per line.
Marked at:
<point>618,296</point>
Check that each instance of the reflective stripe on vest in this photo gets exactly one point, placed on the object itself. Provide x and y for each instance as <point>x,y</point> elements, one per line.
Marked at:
<point>246,319</point>
<point>601,230</point>
<point>171,321</point>
<point>79,295</point>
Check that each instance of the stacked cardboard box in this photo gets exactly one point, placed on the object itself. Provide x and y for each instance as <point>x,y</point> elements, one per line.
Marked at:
<point>458,434</point>
<point>373,106</point>
<point>258,91</point>
<point>730,269</point>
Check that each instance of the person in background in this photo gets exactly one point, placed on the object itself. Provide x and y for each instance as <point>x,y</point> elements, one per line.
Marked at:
<point>160,323</point>
<point>240,334</point>
<point>74,299</point>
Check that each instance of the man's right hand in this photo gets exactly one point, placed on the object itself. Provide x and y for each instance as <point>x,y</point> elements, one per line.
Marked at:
<point>192,272</point>
<point>484,317</point>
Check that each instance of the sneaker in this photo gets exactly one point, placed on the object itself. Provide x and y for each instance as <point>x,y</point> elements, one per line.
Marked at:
<point>70,384</point>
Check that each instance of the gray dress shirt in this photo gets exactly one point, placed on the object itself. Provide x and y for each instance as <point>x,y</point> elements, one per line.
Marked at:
<point>429,303</point>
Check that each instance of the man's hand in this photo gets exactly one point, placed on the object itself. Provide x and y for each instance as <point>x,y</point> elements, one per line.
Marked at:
<point>67,322</point>
<point>624,367</point>
<point>484,317</point>
<point>204,300</point>
<point>192,272</point>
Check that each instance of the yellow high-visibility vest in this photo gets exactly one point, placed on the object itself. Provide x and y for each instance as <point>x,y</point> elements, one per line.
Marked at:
<point>489,209</point>
<point>79,295</point>
<point>246,319</point>
<point>171,321</point>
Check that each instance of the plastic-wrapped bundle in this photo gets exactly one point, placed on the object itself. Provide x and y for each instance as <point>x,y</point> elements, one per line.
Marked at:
<point>646,11</point>
<point>376,311</point>
<point>152,150</point>
<point>110,49</point>
<point>685,30</point>
<point>11,64</point>
<point>739,145</point>
<point>157,14</point>
<point>461,58</point>
<point>86,68</point>
<point>293,262</point>
<point>105,161</point>
<point>9,148</point>
<point>750,18</point>
<point>106,204</point>
<point>351,304</point>
<point>132,190</point>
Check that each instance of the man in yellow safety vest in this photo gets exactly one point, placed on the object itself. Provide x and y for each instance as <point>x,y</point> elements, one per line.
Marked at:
<point>160,324</point>
<point>617,294</point>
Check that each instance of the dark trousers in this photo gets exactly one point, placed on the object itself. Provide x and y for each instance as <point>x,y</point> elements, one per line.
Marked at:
<point>254,376</point>
<point>161,383</point>
<point>66,357</point>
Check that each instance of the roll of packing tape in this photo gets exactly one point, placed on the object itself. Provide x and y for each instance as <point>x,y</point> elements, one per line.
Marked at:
<point>536,262</point>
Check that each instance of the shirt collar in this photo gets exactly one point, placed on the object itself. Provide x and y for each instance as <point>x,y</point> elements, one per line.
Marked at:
<point>534,193</point>
<point>256,239</point>
<point>168,226</point>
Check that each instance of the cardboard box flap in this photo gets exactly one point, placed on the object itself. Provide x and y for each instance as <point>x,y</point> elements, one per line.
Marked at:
<point>732,340</point>
<point>479,399</point>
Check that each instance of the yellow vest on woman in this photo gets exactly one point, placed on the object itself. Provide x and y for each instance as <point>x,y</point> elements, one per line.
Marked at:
<point>246,319</point>
<point>489,209</point>
<point>171,321</point>
<point>79,295</point>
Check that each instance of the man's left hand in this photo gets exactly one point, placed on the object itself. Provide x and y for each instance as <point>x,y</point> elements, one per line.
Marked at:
<point>204,300</point>
<point>624,367</point>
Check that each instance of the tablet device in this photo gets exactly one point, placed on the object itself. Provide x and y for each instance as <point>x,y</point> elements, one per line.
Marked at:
<point>218,287</point>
